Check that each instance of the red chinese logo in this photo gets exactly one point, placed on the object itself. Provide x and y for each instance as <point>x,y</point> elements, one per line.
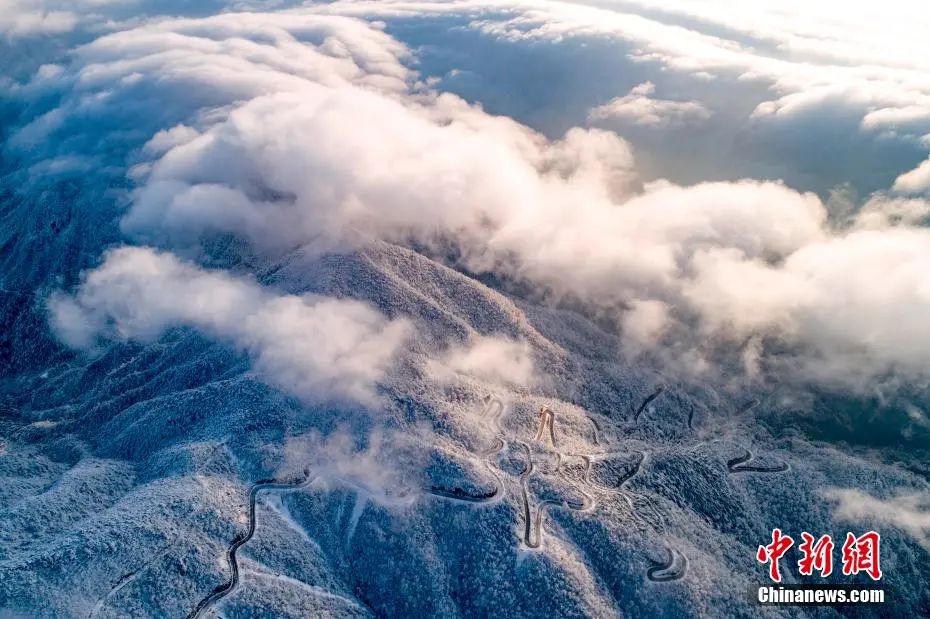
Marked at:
<point>773,552</point>
<point>816,556</point>
<point>860,554</point>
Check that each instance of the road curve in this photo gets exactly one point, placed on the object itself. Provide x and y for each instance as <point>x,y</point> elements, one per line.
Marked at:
<point>524,477</point>
<point>496,405</point>
<point>128,578</point>
<point>546,420</point>
<point>226,588</point>
<point>674,568</point>
<point>529,522</point>
<point>587,502</point>
<point>458,494</point>
<point>639,464</point>
<point>492,413</point>
<point>738,465</point>
<point>540,510</point>
<point>495,449</point>
<point>649,399</point>
<point>596,429</point>
<point>620,480</point>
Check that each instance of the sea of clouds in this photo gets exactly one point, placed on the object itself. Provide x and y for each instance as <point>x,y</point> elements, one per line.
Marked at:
<point>311,127</point>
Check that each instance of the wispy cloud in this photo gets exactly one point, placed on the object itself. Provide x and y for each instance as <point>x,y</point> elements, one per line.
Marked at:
<point>641,108</point>
<point>491,360</point>
<point>908,512</point>
<point>319,349</point>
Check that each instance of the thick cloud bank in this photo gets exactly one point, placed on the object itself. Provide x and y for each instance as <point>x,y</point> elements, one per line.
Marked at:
<point>319,349</point>
<point>294,129</point>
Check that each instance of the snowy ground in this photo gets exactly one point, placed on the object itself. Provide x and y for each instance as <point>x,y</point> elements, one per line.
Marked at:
<point>126,478</point>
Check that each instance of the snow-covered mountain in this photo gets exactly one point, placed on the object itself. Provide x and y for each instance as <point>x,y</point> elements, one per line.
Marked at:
<point>290,329</point>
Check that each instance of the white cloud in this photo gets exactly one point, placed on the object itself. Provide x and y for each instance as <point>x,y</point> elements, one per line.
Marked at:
<point>871,58</point>
<point>202,65</point>
<point>24,19</point>
<point>298,129</point>
<point>916,116</point>
<point>166,139</point>
<point>882,211</point>
<point>494,360</point>
<point>909,512</point>
<point>319,349</point>
<point>638,107</point>
<point>388,469</point>
<point>915,181</point>
<point>804,50</point>
<point>855,301</point>
<point>644,323</point>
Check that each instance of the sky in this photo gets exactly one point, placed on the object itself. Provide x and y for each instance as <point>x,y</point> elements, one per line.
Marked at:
<point>731,187</point>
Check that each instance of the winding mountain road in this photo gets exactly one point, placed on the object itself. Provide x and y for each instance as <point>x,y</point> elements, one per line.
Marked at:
<point>492,414</point>
<point>738,465</point>
<point>531,523</point>
<point>674,568</point>
<point>229,586</point>
<point>632,472</point>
